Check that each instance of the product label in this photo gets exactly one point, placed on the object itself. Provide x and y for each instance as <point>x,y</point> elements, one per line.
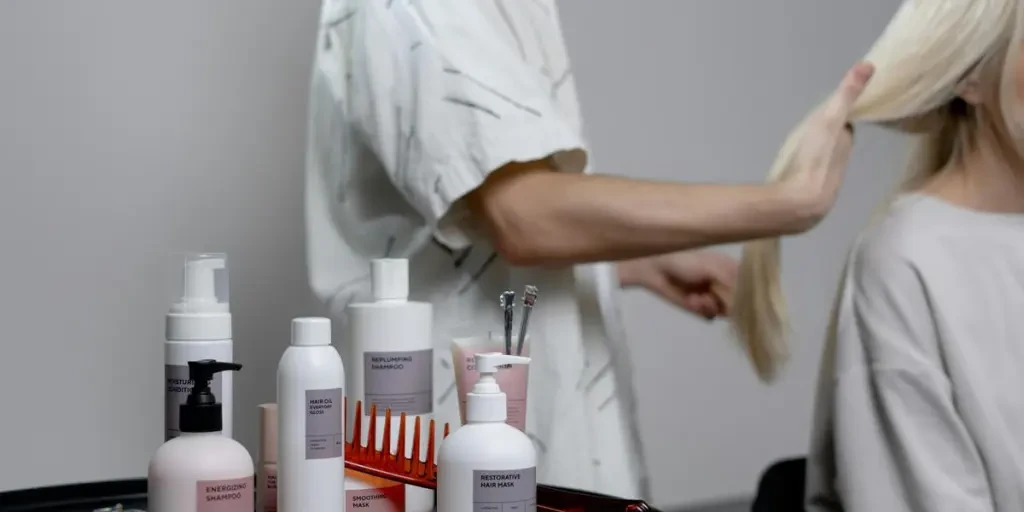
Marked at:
<point>268,490</point>
<point>176,392</point>
<point>225,495</point>
<point>384,499</point>
<point>400,381</point>
<point>512,490</point>
<point>325,430</point>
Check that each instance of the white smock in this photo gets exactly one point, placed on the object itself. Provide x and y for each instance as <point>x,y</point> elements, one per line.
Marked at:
<point>921,400</point>
<point>413,104</point>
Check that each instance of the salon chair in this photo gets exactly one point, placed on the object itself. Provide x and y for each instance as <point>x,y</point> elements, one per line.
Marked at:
<point>781,488</point>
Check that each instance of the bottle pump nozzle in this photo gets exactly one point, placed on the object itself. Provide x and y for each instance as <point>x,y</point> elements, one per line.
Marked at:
<point>201,411</point>
<point>200,291</point>
<point>486,402</point>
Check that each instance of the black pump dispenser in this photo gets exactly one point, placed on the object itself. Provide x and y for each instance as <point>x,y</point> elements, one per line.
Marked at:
<point>201,411</point>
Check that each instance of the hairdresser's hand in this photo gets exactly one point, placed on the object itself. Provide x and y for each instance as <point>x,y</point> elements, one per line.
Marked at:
<point>823,149</point>
<point>700,282</point>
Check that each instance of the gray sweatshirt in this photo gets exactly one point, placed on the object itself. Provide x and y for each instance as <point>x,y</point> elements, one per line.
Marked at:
<point>921,397</point>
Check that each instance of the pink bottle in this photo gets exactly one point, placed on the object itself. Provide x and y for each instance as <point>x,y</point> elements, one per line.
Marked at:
<point>266,476</point>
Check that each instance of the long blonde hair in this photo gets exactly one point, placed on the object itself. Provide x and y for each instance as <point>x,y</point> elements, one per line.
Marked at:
<point>926,51</point>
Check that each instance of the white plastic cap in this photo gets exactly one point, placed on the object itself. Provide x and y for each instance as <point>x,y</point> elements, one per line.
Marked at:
<point>204,286</point>
<point>311,331</point>
<point>389,278</point>
<point>486,402</point>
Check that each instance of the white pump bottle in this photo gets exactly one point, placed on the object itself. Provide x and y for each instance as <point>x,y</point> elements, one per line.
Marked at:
<point>391,343</point>
<point>487,464</point>
<point>198,327</point>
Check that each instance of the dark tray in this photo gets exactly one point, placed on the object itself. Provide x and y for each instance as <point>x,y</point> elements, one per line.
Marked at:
<point>131,494</point>
<point>77,497</point>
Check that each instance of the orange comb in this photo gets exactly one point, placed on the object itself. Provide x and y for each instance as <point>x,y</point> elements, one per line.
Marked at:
<point>411,470</point>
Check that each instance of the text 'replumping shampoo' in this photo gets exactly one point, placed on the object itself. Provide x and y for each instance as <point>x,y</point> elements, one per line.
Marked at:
<point>311,427</point>
<point>198,327</point>
<point>391,341</point>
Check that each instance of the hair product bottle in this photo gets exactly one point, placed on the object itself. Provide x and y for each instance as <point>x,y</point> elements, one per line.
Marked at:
<point>392,342</point>
<point>198,327</point>
<point>266,470</point>
<point>310,428</point>
<point>487,464</point>
<point>201,470</point>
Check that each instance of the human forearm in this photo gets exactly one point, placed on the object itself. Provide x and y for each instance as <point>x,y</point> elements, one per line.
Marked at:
<point>538,217</point>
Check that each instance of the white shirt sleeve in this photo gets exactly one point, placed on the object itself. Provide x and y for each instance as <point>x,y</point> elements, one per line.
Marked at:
<point>900,443</point>
<point>443,99</point>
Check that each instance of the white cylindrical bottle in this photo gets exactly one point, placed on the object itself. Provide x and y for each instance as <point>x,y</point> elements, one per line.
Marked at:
<point>391,339</point>
<point>198,327</point>
<point>310,429</point>
<point>201,470</point>
<point>487,464</point>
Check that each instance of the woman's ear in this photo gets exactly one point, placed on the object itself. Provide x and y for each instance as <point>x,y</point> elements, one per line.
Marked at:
<point>969,90</point>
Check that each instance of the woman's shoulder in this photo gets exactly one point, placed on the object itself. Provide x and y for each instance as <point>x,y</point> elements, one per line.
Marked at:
<point>908,233</point>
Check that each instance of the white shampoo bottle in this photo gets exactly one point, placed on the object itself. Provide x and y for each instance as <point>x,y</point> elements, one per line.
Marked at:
<point>311,428</point>
<point>198,327</point>
<point>201,470</point>
<point>391,339</point>
<point>487,464</point>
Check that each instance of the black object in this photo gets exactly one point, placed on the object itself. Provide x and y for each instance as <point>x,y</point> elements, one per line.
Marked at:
<point>571,499</point>
<point>131,494</point>
<point>781,488</point>
<point>201,411</point>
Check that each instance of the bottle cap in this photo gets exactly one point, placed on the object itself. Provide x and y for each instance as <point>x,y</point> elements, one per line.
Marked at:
<point>268,433</point>
<point>201,411</point>
<point>389,278</point>
<point>486,402</point>
<point>204,284</point>
<point>311,331</point>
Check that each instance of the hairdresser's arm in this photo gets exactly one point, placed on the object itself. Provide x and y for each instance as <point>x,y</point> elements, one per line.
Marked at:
<point>535,216</point>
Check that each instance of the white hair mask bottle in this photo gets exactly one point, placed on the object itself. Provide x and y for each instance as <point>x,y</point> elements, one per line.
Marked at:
<point>392,342</point>
<point>198,327</point>
<point>310,428</point>
<point>487,464</point>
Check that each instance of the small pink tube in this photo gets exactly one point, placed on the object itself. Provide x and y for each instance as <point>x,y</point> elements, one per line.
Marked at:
<point>514,381</point>
<point>266,490</point>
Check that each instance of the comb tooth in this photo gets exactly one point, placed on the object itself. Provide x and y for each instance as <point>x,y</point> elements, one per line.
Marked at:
<point>371,445</point>
<point>400,454</point>
<point>385,445</point>
<point>415,459</point>
<point>357,430</point>
<point>429,466</point>
<point>411,470</point>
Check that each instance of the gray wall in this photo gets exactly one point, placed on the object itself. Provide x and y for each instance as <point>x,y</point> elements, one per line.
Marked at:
<point>131,129</point>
